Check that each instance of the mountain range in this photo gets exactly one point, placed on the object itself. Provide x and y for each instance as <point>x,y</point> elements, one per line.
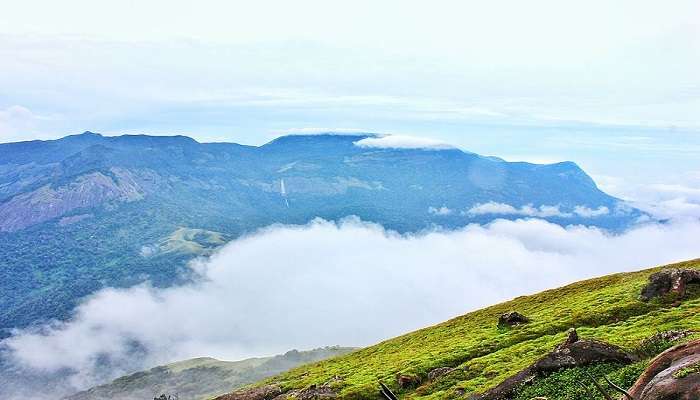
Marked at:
<point>89,211</point>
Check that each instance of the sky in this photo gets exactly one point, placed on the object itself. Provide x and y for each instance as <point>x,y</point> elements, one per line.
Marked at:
<point>611,85</point>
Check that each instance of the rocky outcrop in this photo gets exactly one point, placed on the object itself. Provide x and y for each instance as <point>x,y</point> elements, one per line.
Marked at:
<point>313,392</point>
<point>438,372</point>
<point>573,352</point>
<point>83,192</point>
<point>659,342</point>
<point>669,336</point>
<point>673,281</point>
<point>512,318</point>
<point>672,375</point>
<point>582,352</point>
<point>274,392</point>
<point>266,392</point>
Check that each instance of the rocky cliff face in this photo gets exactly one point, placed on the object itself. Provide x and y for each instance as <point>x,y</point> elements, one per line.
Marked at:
<point>88,191</point>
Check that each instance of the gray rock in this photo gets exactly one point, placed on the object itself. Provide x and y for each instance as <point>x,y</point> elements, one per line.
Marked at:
<point>438,372</point>
<point>266,392</point>
<point>668,281</point>
<point>512,318</point>
<point>571,353</point>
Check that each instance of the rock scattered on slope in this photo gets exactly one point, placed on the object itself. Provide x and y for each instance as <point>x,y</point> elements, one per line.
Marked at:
<point>573,352</point>
<point>438,372</point>
<point>673,374</point>
<point>313,392</point>
<point>275,392</point>
<point>669,281</point>
<point>582,352</point>
<point>670,336</point>
<point>653,345</point>
<point>267,392</point>
<point>512,318</point>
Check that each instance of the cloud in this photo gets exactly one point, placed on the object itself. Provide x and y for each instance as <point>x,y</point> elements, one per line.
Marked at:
<point>528,210</point>
<point>319,284</point>
<point>440,210</point>
<point>492,208</point>
<point>586,212</point>
<point>403,142</point>
<point>678,198</point>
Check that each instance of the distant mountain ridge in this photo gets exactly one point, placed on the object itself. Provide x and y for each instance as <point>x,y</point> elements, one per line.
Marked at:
<point>88,211</point>
<point>203,378</point>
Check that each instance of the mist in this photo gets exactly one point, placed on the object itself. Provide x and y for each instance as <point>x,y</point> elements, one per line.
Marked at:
<point>351,283</point>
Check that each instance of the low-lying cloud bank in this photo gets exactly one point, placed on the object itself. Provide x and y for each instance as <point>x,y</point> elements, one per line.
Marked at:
<point>543,211</point>
<point>350,283</point>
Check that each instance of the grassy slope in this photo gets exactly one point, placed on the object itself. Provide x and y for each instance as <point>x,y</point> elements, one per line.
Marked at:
<point>605,308</point>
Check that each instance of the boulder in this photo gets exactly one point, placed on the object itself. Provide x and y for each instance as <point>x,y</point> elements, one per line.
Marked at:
<point>582,352</point>
<point>512,318</point>
<point>505,390</point>
<point>573,352</point>
<point>668,281</point>
<point>673,374</point>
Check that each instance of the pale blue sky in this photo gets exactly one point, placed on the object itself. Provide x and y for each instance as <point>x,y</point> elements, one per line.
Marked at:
<point>611,85</point>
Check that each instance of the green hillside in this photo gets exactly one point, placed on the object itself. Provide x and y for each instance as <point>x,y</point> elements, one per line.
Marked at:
<point>201,378</point>
<point>483,355</point>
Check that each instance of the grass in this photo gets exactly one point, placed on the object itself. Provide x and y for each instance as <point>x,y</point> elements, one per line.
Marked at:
<point>606,308</point>
<point>578,384</point>
<point>691,369</point>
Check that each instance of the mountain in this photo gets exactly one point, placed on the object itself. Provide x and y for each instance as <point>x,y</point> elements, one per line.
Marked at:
<point>88,211</point>
<point>202,378</point>
<point>622,321</point>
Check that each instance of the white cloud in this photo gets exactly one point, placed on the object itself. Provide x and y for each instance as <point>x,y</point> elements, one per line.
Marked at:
<point>586,212</point>
<point>527,210</point>
<point>403,142</point>
<point>305,286</point>
<point>679,198</point>
<point>492,208</point>
<point>440,210</point>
